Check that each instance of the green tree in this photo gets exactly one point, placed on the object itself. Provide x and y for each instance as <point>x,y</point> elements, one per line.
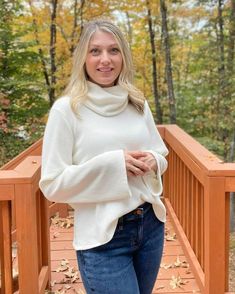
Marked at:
<point>21,99</point>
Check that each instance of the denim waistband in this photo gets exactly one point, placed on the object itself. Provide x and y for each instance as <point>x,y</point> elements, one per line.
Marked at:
<point>140,210</point>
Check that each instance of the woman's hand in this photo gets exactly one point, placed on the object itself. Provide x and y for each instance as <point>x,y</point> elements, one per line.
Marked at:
<point>139,162</point>
<point>150,160</point>
<point>135,166</point>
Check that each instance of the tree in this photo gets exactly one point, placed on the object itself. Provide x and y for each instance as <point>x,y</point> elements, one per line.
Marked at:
<point>169,78</point>
<point>22,105</point>
<point>154,64</point>
<point>53,51</point>
<point>49,75</point>
<point>230,67</point>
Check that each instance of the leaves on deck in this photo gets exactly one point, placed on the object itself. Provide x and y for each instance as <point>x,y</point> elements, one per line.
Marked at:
<point>175,264</point>
<point>177,282</point>
<point>62,222</point>
<point>55,235</point>
<point>169,236</point>
<point>70,276</point>
<point>63,266</point>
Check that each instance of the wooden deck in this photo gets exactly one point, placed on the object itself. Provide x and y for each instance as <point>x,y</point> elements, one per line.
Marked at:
<point>196,192</point>
<point>175,275</point>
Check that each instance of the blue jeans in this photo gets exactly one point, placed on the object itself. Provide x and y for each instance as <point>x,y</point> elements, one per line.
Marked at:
<point>129,262</point>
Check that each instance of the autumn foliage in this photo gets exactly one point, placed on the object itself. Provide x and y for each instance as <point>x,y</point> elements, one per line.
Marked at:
<point>183,53</point>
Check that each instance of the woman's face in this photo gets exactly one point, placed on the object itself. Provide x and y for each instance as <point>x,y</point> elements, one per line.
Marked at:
<point>104,60</point>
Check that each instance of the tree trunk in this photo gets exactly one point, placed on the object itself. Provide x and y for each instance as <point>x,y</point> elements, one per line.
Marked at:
<point>42,58</point>
<point>75,24</point>
<point>221,68</point>
<point>169,78</point>
<point>76,12</point>
<point>81,14</point>
<point>230,69</point>
<point>222,99</point>
<point>53,51</point>
<point>231,42</point>
<point>232,148</point>
<point>130,34</point>
<point>154,65</point>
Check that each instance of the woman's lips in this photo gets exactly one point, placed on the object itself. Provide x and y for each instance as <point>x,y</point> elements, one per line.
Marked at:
<point>105,69</point>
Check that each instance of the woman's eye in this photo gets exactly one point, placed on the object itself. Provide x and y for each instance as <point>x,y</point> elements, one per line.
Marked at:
<point>94,51</point>
<point>115,50</point>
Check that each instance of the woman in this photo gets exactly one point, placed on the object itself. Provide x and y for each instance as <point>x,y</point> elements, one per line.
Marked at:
<point>103,155</point>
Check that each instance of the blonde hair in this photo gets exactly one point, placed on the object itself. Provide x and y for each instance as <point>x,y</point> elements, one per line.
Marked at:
<point>77,87</point>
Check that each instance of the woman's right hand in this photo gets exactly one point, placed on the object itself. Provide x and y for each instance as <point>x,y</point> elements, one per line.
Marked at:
<point>134,166</point>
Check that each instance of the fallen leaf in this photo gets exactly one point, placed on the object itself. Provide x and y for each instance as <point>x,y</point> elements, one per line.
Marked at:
<point>59,292</point>
<point>177,263</point>
<point>64,262</point>
<point>62,222</point>
<point>166,266</point>
<point>55,235</point>
<point>67,287</point>
<point>61,268</point>
<point>53,283</point>
<point>170,237</point>
<point>160,287</point>
<point>177,282</point>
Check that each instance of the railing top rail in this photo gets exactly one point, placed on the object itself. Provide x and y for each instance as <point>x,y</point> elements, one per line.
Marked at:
<point>32,150</point>
<point>210,164</point>
<point>201,160</point>
<point>26,172</point>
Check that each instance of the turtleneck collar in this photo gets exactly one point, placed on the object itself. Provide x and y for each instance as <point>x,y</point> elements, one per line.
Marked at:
<point>106,101</point>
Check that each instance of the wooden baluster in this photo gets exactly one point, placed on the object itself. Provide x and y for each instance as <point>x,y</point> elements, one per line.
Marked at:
<point>5,247</point>
<point>45,238</point>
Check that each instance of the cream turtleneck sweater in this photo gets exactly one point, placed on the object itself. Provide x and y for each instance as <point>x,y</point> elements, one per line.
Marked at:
<point>83,162</point>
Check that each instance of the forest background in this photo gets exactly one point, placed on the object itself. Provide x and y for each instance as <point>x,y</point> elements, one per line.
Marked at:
<point>183,52</point>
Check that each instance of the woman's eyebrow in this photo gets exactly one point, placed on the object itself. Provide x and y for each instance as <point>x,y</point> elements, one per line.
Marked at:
<point>97,45</point>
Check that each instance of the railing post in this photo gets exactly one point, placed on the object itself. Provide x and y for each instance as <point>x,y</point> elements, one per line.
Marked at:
<point>215,235</point>
<point>27,241</point>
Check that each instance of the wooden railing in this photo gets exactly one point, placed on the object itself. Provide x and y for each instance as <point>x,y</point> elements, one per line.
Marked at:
<point>196,192</point>
<point>20,186</point>
<point>24,221</point>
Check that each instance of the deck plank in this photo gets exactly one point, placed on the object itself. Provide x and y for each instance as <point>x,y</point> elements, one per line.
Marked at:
<point>174,264</point>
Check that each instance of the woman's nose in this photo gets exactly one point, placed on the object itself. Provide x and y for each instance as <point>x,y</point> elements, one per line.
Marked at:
<point>105,58</point>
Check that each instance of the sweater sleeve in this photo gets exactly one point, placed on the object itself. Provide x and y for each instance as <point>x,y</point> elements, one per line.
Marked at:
<point>101,178</point>
<point>158,149</point>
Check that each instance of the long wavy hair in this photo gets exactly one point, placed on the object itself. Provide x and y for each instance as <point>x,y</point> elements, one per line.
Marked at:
<point>77,87</point>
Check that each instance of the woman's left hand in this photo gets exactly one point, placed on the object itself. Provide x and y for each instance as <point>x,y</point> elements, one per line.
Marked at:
<point>149,159</point>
